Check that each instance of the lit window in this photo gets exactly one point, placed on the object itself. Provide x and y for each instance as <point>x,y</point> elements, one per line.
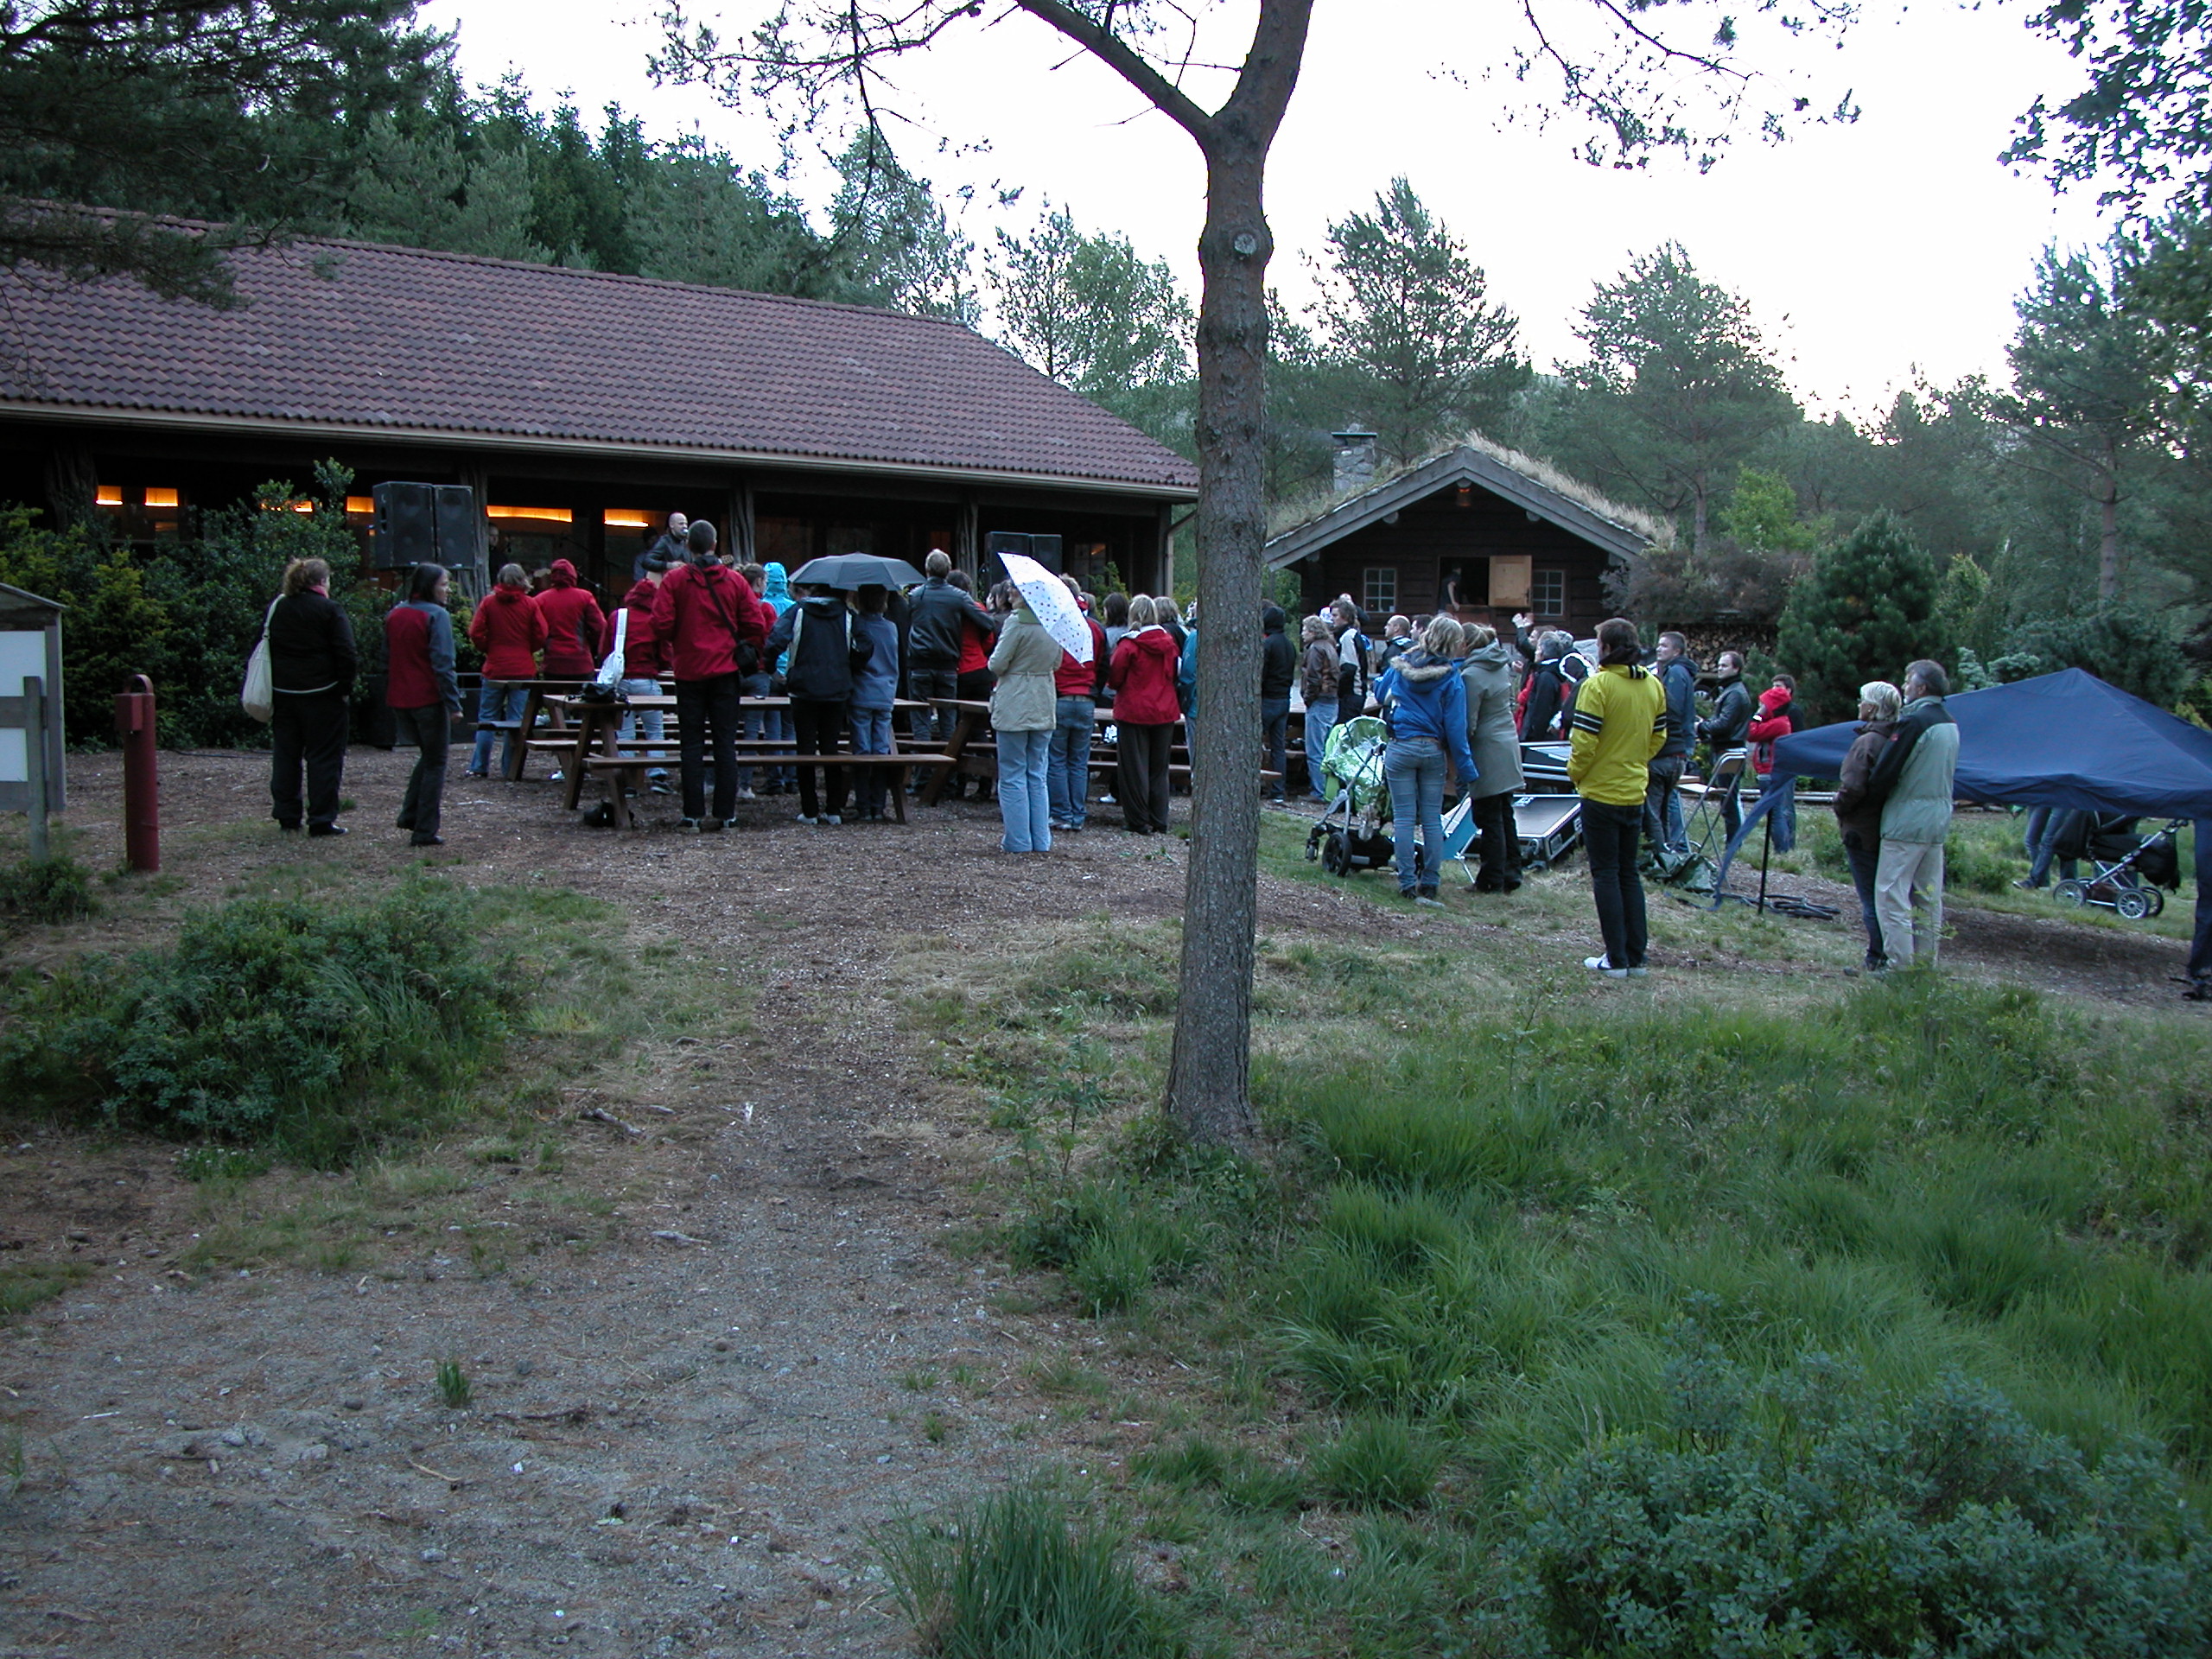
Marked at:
<point>361,503</point>
<point>624,518</point>
<point>1547,593</point>
<point>161,498</point>
<point>549,515</point>
<point>1379,589</point>
<point>109,495</point>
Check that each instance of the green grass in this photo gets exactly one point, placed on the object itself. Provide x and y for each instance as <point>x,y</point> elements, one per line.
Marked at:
<point>1497,1192</point>
<point>26,1285</point>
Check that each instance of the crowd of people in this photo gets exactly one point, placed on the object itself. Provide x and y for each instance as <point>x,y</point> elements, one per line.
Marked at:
<point>1458,700</point>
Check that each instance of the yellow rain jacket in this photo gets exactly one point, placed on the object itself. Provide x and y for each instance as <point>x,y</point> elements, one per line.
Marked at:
<point>1620,723</point>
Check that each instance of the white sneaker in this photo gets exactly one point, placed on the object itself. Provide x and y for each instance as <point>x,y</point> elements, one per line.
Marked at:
<point>746,795</point>
<point>803,819</point>
<point>1600,965</point>
<point>830,820</point>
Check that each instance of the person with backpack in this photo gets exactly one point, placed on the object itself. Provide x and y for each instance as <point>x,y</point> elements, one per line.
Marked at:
<point>423,693</point>
<point>709,625</point>
<point>574,625</point>
<point>826,654</point>
<point>630,624</point>
<point>1550,694</point>
<point>1424,703</point>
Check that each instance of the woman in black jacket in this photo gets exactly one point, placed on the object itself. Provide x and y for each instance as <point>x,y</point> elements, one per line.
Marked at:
<point>311,667</point>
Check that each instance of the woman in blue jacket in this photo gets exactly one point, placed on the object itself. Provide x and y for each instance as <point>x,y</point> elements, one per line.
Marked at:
<point>1425,704</point>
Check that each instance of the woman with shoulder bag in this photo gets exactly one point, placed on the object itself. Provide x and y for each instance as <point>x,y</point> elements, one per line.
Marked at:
<point>1025,703</point>
<point>311,665</point>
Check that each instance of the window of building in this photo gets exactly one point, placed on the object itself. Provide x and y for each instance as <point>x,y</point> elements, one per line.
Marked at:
<point>1547,593</point>
<point>1379,589</point>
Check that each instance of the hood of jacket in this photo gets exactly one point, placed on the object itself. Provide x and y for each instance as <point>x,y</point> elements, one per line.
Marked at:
<point>1497,654</point>
<point>1419,668</point>
<point>504,595</point>
<point>823,606</point>
<point>1156,641</point>
<point>775,586</point>
<point>640,596</point>
<point>564,574</point>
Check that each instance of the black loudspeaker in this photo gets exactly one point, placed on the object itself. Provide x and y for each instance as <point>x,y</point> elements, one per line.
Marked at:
<point>1046,549</point>
<point>425,524</point>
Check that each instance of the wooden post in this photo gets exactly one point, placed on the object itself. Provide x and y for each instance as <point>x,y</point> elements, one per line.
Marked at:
<point>34,760</point>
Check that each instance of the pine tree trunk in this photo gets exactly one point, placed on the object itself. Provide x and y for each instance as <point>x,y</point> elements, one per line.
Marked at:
<point>2108,528</point>
<point>1208,1090</point>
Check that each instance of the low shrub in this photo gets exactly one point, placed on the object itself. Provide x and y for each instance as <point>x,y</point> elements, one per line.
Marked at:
<point>318,1030</point>
<point>47,890</point>
<point>1016,1576</point>
<point>1806,1515</point>
<point>1383,1463</point>
<point>1244,1482</point>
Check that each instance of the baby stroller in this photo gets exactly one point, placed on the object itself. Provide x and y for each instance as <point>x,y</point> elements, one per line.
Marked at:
<point>2125,870</point>
<point>1350,836</point>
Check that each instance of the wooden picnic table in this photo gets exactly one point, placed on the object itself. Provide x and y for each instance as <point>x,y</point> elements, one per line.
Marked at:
<point>597,744</point>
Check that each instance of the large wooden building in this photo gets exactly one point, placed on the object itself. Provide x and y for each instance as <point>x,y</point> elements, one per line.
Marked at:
<point>1477,531</point>
<point>583,407</point>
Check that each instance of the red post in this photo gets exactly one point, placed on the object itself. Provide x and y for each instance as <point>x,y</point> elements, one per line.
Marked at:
<point>142,807</point>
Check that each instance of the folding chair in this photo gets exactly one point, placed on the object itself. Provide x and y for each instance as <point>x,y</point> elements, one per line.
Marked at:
<point>1707,828</point>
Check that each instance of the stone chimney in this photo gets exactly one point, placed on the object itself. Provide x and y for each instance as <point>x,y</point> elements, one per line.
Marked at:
<point>1355,468</point>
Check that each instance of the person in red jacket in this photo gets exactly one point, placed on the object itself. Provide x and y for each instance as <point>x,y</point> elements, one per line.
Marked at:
<point>1067,764</point>
<point>509,629</point>
<point>643,661</point>
<point>424,694</point>
<point>711,628</point>
<point>1775,720</point>
<point>1145,713</point>
<point>573,625</point>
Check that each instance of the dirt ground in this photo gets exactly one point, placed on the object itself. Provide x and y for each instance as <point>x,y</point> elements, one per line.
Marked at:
<point>680,1438</point>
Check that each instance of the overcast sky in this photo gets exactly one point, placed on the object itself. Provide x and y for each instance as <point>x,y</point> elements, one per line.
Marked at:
<point>1869,251</point>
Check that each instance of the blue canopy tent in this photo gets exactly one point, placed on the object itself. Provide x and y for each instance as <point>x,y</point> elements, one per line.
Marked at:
<point>2064,739</point>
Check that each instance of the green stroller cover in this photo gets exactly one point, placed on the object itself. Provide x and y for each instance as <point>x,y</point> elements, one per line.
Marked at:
<point>1354,762</point>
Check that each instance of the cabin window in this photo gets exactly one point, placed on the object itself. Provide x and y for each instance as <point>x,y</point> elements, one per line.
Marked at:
<point>1379,589</point>
<point>1547,593</point>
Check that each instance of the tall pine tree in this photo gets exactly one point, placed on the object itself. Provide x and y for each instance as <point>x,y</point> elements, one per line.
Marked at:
<point>1868,607</point>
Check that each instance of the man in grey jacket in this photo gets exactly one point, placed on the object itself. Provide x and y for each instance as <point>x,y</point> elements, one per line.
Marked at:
<point>1664,834</point>
<point>1912,780</point>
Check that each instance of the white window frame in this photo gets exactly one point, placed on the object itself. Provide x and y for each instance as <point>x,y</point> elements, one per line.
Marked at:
<point>1543,584</point>
<point>1385,605</point>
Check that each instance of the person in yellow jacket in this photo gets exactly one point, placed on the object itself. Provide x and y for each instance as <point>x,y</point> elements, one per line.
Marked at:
<point>1620,723</point>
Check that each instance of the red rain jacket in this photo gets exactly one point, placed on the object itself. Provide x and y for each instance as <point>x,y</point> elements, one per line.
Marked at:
<point>1143,676</point>
<point>509,630</point>
<point>643,656</point>
<point>700,614</point>
<point>573,625</point>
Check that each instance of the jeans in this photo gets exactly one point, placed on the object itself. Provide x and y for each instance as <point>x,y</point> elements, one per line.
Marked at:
<point>1662,806</point>
<point>1025,794</point>
<point>871,735</point>
<point>1140,761</point>
<point>1500,840</point>
<point>1864,860</point>
<point>497,701</point>
<point>1317,724</point>
<point>2044,825</point>
<point>650,723</point>
<point>700,704</point>
<point>927,685</point>
<point>430,730</point>
<point>819,728</point>
<point>1414,768</point>
<point>1782,815</point>
<point>307,733</point>
<point>1067,769</point>
<point>1732,815</point>
<point>1610,834</point>
<point>1910,872</point>
<point>1275,732</point>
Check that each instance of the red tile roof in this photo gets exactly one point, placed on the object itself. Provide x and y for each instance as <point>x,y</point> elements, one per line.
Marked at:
<point>364,339</point>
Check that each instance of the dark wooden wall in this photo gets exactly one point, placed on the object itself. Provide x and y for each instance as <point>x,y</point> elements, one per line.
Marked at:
<point>1438,532</point>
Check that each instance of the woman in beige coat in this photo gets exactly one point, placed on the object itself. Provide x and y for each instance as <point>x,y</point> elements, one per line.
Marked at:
<point>1024,705</point>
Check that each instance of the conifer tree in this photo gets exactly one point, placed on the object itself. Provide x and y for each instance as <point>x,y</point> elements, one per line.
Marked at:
<point>1868,607</point>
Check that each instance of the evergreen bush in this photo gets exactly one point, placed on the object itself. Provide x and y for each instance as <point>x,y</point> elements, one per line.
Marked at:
<point>1808,1516</point>
<point>315,1029</point>
<point>2126,645</point>
<point>47,890</point>
<point>1869,606</point>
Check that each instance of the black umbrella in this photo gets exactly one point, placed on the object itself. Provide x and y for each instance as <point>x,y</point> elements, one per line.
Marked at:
<point>849,570</point>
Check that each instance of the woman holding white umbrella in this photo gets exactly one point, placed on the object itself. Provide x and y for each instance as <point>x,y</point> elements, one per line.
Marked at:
<point>1025,701</point>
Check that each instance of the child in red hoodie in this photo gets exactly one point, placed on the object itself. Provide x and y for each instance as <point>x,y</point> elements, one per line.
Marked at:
<point>1775,719</point>
<point>573,625</point>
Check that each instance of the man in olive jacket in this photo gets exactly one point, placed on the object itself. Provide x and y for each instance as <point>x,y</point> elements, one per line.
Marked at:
<point>1912,780</point>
